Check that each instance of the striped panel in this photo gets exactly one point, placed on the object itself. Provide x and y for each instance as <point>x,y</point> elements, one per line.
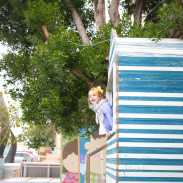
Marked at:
<point>150,119</point>
<point>111,154</point>
<point>112,54</point>
<point>147,48</point>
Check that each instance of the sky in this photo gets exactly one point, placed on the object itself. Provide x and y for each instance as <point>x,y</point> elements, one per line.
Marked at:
<point>3,50</point>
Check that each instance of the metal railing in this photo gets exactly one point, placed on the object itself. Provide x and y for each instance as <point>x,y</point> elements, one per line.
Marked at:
<point>40,169</point>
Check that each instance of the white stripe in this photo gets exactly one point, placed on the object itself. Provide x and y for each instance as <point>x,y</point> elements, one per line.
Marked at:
<point>122,50</point>
<point>111,146</point>
<point>111,49</point>
<point>111,139</point>
<point>148,103</point>
<point>146,174</point>
<point>150,94</point>
<point>149,167</point>
<point>143,68</point>
<point>110,179</point>
<point>148,156</point>
<point>128,40</point>
<point>147,144</point>
<point>144,126</point>
<point>160,116</point>
<point>113,60</point>
<point>112,155</point>
<point>111,165</point>
<point>150,174</point>
<point>161,136</point>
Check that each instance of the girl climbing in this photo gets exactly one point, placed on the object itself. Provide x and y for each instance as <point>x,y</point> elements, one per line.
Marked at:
<point>103,109</point>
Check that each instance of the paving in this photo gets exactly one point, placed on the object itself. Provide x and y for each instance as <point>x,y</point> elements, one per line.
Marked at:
<point>30,180</point>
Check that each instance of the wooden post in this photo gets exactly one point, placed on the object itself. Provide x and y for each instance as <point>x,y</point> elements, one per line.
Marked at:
<point>79,158</point>
<point>61,157</point>
<point>88,161</point>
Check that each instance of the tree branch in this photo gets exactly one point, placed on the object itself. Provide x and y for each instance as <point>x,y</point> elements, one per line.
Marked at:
<point>79,74</point>
<point>46,33</point>
<point>79,25</point>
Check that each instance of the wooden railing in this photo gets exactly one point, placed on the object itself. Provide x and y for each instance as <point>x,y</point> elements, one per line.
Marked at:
<point>88,161</point>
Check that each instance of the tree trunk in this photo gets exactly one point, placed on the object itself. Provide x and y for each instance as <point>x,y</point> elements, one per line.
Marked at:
<point>4,125</point>
<point>99,13</point>
<point>11,154</point>
<point>114,13</point>
<point>79,25</point>
<point>139,6</point>
<point>2,144</point>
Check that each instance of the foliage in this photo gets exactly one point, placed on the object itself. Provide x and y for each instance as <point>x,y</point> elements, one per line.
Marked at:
<point>54,77</point>
<point>36,136</point>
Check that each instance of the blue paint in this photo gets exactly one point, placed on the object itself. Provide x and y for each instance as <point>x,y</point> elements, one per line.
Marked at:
<point>150,150</point>
<point>150,121</point>
<point>158,76</point>
<point>111,151</point>
<point>136,161</point>
<point>151,140</point>
<point>146,131</point>
<point>111,143</point>
<point>151,61</point>
<point>133,54</point>
<point>151,179</point>
<point>153,84</point>
<point>111,175</point>
<point>144,88</point>
<point>150,109</point>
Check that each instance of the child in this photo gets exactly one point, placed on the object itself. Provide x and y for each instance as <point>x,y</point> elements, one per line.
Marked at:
<point>104,112</point>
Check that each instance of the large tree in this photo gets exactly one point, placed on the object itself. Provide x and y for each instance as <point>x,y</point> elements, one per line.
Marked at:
<point>50,75</point>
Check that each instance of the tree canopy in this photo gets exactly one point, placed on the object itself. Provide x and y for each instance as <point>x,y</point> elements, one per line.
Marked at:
<point>50,76</point>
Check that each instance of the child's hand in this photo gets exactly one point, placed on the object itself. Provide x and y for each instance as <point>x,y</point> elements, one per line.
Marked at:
<point>109,134</point>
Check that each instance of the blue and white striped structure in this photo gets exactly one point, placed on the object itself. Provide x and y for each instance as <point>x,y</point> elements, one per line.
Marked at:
<point>145,82</point>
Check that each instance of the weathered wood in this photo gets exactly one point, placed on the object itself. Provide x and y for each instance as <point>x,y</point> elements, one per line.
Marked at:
<point>88,161</point>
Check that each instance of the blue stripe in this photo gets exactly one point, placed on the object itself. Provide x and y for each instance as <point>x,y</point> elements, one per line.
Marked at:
<point>112,52</point>
<point>143,88</point>
<point>150,121</point>
<point>111,151</point>
<point>151,109</point>
<point>151,179</point>
<point>158,140</point>
<point>134,98</point>
<point>135,161</point>
<point>151,61</point>
<point>150,150</point>
<point>152,84</point>
<point>147,131</point>
<point>111,143</point>
<point>110,175</point>
<point>163,76</point>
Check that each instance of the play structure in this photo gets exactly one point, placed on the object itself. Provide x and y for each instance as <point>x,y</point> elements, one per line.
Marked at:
<point>145,86</point>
